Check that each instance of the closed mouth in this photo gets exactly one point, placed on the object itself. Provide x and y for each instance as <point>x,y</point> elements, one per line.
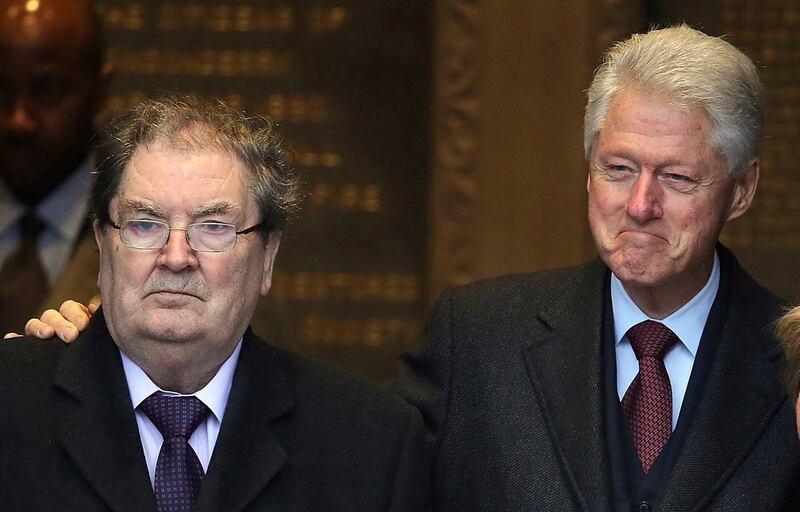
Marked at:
<point>174,292</point>
<point>640,232</point>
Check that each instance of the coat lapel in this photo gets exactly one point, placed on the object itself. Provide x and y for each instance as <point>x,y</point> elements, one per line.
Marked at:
<point>99,432</point>
<point>741,397</point>
<point>247,455</point>
<point>564,363</point>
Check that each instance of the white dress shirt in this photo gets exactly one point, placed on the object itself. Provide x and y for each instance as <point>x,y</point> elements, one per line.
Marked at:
<point>687,323</point>
<point>63,213</point>
<point>214,395</point>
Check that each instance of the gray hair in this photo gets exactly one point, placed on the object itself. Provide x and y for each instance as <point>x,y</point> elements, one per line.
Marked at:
<point>185,122</point>
<point>788,330</point>
<point>688,68</point>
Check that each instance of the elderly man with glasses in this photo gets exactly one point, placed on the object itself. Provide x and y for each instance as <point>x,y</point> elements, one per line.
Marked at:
<point>168,401</point>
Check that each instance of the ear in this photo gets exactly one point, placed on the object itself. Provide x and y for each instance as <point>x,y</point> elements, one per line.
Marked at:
<point>273,242</point>
<point>744,189</point>
<point>98,235</point>
<point>590,161</point>
<point>98,239</point>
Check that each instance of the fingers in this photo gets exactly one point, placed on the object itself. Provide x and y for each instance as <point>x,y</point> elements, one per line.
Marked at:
<point>38,328</point>
<point>94,303</point>
<point>66,323</point>
<point>75,313</point>
<point>54,323</point>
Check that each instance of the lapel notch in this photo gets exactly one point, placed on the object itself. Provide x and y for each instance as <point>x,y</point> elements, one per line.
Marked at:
<point>248,455</point>
<point>741,398</point>
<point>99,434</point>
<point>564,361</point>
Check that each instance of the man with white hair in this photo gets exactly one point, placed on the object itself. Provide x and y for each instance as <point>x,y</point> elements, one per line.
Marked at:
<point>649,378</point>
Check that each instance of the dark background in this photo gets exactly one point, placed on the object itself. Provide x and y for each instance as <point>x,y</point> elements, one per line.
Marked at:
<point>439,140</point>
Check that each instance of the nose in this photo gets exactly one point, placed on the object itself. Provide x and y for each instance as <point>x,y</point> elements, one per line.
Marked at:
<point>20,118</point>
<point>644,202</point>
<point>176,255</point>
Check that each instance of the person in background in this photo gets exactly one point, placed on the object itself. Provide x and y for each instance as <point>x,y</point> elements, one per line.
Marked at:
<point>54,79</point>
<point>789,334</point>
<point>167,401</point>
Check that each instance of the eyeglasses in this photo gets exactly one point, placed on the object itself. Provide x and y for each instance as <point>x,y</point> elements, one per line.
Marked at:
<point>201,236</point>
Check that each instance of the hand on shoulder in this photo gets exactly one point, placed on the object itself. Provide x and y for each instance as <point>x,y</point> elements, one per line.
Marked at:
<point>66,323</point>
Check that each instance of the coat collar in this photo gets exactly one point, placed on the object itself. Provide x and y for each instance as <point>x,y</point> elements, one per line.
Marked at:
<point>564,363</point>
<point>740,399</point>
<point>742,395</point>
<point>248,455</point>
<point>99,430</point>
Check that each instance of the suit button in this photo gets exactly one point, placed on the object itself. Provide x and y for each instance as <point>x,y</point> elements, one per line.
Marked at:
<point>645,507</point>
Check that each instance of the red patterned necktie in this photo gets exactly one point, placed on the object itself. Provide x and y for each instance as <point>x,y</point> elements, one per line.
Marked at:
<point>648,402</point>
<point>178,470</point>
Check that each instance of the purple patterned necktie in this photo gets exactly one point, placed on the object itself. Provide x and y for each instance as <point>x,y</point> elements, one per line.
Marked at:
<point>178,470</point>
<point>648,402</point>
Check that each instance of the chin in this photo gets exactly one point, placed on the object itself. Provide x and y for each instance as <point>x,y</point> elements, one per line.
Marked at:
<point>639,277</point>
<point>172,326</point>
<point>172,333</point>
<point>637,267</point>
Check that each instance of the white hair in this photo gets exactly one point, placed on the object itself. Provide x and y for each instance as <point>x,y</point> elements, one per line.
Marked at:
<point>689,69</point>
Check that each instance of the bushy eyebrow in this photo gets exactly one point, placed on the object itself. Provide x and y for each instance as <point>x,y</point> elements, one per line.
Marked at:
<point>148,208</point>
<point>221,208</point>
<point>138,206</point>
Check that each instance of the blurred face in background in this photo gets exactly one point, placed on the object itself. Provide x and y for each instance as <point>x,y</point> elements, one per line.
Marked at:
<point>52,84</point>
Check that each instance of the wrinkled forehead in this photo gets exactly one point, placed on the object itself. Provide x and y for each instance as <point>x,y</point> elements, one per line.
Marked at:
<point>181,135</point>
<point>658,93</point>
<point>655,108</point>
<point>187,141</point>
<point>186,178</point>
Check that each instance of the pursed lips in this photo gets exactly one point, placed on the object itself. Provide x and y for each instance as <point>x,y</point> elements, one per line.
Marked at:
<point>643,234</point>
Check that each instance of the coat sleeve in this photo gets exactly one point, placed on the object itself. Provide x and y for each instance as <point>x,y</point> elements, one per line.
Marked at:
<point>412,486</point>
<point>426,375</point>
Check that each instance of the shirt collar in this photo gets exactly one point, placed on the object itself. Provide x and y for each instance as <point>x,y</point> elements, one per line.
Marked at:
<point>63,211</point>
<point>687,322</point>
<point>214,395</point>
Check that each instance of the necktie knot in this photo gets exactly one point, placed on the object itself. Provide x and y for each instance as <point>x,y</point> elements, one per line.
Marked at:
<point>651,339</point>
<point>30,226</point>
<point>174,416</point>
<point>647,403</point>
